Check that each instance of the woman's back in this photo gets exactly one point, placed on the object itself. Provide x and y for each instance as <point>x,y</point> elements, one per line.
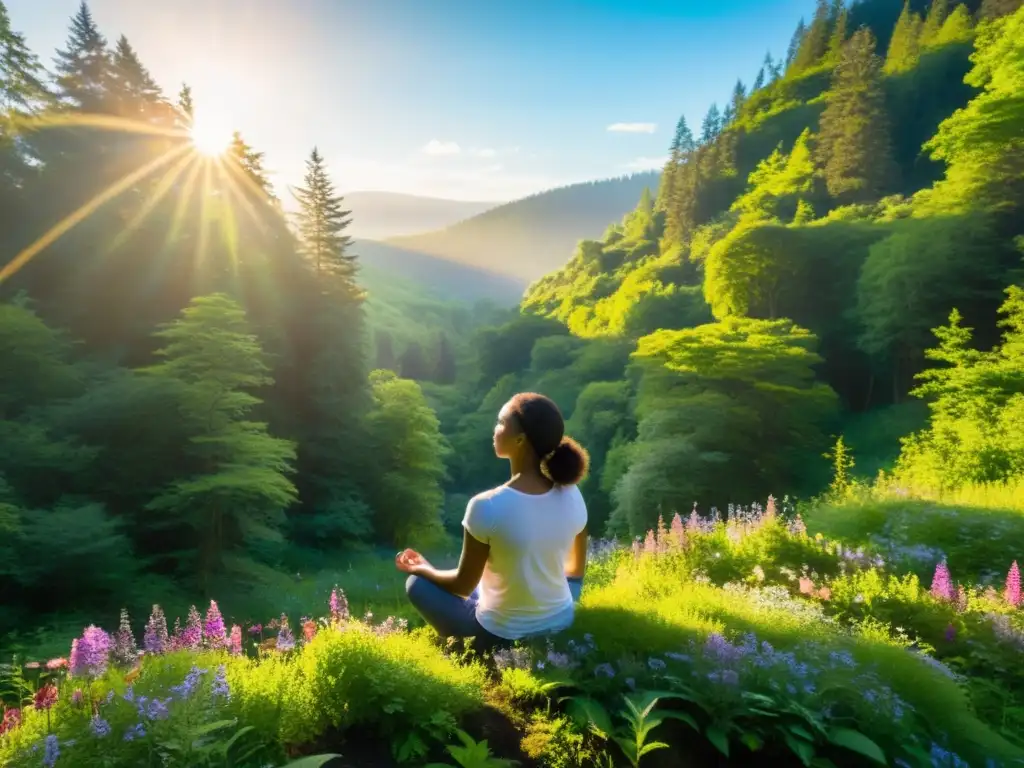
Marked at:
<point>523,589</point>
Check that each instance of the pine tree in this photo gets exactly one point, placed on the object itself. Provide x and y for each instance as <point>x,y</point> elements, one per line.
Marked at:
<point>322,221</point>
<point>772,67</point>
<point>739,97</point>
<point>138,95</point>
<point>21,86</point>
<point>679,151</point>
<point>933,23</point>
<point>840,30</point>
<point>758,81</point>
<point>185,107</point>
<point>711,127</point>
<point>853,145</point>
<point>814,44</point>
<point>795,43</point>
<point>250,162</point>
<point>904,46</point>
<point>682,140</point>
<point>84,75</point>
<point>958,27</point>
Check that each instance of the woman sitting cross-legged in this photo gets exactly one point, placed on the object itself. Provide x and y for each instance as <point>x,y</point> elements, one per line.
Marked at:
<point>524,545</point>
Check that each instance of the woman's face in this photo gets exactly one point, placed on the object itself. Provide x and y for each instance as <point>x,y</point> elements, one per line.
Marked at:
<point>508,440</point>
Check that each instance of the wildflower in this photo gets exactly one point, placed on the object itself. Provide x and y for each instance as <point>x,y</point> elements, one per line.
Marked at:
<point>942,585</point>
<point>961,598</point>
<point>235,641</point>
<point>650,544</point>
<point>769,511</point>
<point>90,653</point>
<point>220,683</point>
<point>662,535</point>
<point>656,665</point>
<point>51,751</point>
<point>256,629</point>
<point>156,709</point>
<point>54,664</point>
<point>189,684</point>
<point>192,636</point>
<point>604,670</point>
<point>174,644</point>
<point>77,698</point>
<point>806,586</point>
<point>137,731</point>
<point>285,638</point>
<point>213,629</point>
<point>825,593</point>
<point>677,532</point>
<point>125,650</point>
<point>45,697</point>
<point>1013,593</point>
<point>99,727</point>
<point>10,720</point>
<point>950,633</point>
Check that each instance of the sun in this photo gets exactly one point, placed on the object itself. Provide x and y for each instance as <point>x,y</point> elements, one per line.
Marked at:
<point>210,134</point>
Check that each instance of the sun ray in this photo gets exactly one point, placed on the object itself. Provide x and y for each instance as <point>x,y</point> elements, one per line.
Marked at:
<point>229,170</point>
<point>170,176</point>
<point>87,209</point>
<point>103,122</point>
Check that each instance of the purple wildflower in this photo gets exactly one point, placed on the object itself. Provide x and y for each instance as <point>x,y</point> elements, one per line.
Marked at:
<point>1013,594</point>
<point>155,639</point>
<point>213,629</point>
<point>339,605</point>
<point>950,633</point>
<point>175,641</point>
<point>91,653</point>
<point>220,684</point>
<point>126,652</point>
<point>235,641</point>
<point>155,709</point>
<point>51,751</point>
<point>137,731</point>
<point>189,684</point>
<point>99,727</point>
<point>285,638</point>
<point>942,584</point>
<point>192,636</point>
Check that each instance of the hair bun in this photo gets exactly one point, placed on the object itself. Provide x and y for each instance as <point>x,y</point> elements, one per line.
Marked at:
<point>567,464</point>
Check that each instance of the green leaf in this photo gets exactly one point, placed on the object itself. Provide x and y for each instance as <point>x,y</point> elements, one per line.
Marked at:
<point>590,713</point>
<point>719,739</point>
<point>681,716</point>
<point>855,741</point>
<point>751,741</point>
<point>218,725</point>
<point>312,761</point>
<point>802,749</point>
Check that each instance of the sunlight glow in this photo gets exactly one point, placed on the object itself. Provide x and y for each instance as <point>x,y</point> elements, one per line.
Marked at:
<point>211,134</point>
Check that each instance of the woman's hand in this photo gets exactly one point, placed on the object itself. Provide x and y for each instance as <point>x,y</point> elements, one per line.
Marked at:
<point>412,562</point>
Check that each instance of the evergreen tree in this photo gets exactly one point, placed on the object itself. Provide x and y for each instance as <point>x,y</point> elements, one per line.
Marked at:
<point>682,140</point>
<point>795,43</point>
<point>854,146</point>
<point>680,149</point>
<point>958,27</point>
<point>250,163</point>
<point>758,81</point>
<point>739,97</point>
<point>138,95</point>
<point>84,75</point>
<point>445,371</point>
<point>413,363</point>
<point>933,23</point>
<point>21,86</point>
<point>840,32</point>
<point>186,109</point>
<point>237,493</point>
<point>711,127</point>
<point>814,44</point>
<point>322,221</point>
<point>772,67</point>
<point>905,44</point>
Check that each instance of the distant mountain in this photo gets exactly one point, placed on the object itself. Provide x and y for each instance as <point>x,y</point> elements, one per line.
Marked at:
<point>531,237</point>
<point>434,276</point>
<point>379,215</point>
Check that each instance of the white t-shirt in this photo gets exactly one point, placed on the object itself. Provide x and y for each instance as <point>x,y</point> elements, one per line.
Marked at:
<point>523,590</point>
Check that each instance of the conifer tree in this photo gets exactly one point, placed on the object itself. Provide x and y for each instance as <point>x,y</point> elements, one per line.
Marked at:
<point>21,85</point>
<point>712,125</point>
<point>758,81</point>
<point>739,96</point>
<point>905,44</point>
<point>958,27</point>
<point>322,221</point>
<point>138,95</point>
<point>84,75</point>
<point>840,32</point>
<point>250,162</point>
<point>680,149</point>
<point>185,107</point>
<point>933,22</point>
<point>854,147</point>
<point>795,43</point>
<point>772,67</point>
<point>814,44</point>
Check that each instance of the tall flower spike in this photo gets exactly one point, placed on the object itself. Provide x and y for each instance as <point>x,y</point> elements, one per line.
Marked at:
<point>1013,595</point>
<point>155,640</point>
<point>192,635</point>
<point>126,652</point>
<point>213,630</point>
<point>91,654</point>
<point>942,584</point>
<point>339,605</point>
<point>235,641</point>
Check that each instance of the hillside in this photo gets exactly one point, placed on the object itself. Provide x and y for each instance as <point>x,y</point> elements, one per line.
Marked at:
<point>380,215</point>
<point>527,238</point>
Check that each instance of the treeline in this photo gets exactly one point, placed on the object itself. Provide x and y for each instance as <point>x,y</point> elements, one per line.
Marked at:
<point>795,260</point>
<point>185,391</point>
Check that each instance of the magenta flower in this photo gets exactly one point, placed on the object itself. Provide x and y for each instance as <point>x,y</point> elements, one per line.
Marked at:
<point>192,636</point>
<point>942,584</point>
<point>155,639</point>
<point>235,641</point>
<point>213,629</point>
<point>1013,595</point>
<point>175,643</point>
<point>126,653</point>
<point>339,605</point>
<point>91,653</point>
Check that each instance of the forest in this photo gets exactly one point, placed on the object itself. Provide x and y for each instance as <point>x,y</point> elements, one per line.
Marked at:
<point>817,316</point>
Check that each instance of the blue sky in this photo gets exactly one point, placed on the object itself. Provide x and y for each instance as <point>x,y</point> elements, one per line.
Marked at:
<point>469,99</point>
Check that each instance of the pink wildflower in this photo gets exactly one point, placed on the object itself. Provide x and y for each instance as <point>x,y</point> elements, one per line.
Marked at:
<point>55,664</point>
<point>769,511</point>
<point>806,586</point>
<point>235,641</point>
<point>45,697</point>
<point>677,531</point>
<point>125,650</point>
<point>11,719</point>
<point>942,584</point>
<point>308,630</point>
<point>662,535</point>
<point>339,605</point>
<point>1013,593</point>
<point>155,639</point>
<point>192,636</point>
<point>650,544</point>
<point>213,629</point>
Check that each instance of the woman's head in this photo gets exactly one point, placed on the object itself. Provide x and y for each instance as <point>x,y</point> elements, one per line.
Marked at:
<point>530,428</point>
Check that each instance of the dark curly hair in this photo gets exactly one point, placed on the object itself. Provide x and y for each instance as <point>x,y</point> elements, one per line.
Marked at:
<point>562,459</point>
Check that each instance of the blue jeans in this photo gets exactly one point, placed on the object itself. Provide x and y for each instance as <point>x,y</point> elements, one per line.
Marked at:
<point>454,616</point>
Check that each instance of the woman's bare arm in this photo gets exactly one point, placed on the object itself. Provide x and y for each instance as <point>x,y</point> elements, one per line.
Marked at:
<point>576,563</point>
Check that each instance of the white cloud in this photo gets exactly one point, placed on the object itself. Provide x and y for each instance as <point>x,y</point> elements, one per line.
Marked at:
<point>646,163</point>
<point>483,152</point>
<point>436,147</point>
<point>633,127</point>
